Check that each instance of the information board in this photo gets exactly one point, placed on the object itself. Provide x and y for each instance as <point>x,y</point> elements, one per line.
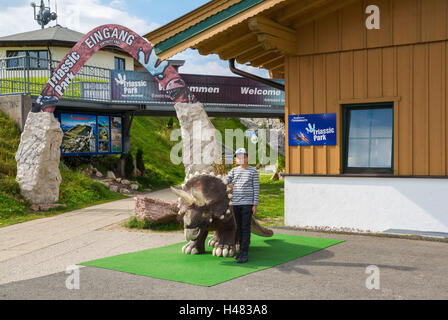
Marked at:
<point>90,134</point>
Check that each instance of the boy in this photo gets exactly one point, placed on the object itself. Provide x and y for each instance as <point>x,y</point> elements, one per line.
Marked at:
<point>246,189</point>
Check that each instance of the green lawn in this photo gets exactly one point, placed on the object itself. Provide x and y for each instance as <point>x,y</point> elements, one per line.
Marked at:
<point>152,136</point>
<point>271,205</point>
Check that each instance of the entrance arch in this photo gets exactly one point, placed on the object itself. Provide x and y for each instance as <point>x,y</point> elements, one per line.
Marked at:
<point>118,36</point>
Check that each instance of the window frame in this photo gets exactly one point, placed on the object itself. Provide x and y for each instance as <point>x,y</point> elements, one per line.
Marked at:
<point>28,59</point>
<point>121,60</point>
<point>346,108</point>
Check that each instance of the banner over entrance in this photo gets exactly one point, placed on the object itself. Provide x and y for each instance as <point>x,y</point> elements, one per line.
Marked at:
<point>118,36</point>
<point>217,90</point>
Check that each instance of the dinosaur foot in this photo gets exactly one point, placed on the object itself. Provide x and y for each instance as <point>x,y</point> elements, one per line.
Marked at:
<point>221,249</point>
<point>192,248</point>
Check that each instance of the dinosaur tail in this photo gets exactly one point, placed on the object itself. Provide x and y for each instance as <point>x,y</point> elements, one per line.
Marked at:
<point>259,230</point>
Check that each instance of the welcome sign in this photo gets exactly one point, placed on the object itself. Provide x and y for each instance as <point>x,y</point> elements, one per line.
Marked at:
<point>312,129</point>
<point>217,90</point>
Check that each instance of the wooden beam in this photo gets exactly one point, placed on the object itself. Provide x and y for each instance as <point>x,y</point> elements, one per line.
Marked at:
<point>300,8</point>
<point>274,63</point>
<point>239,49</point>
<point>273,36</point>
<point>264,58</point>
<point>228,39</point>
<point>321,12</point>
<point>270,42</point>
<point>263,25</point>
<point>278,69</point>
<point>253,55</point>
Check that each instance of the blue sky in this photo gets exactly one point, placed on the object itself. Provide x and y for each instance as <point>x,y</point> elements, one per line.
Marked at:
<point>141,16</point>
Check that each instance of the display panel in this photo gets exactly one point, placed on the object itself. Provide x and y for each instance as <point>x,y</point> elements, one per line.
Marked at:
<point>90,134</point>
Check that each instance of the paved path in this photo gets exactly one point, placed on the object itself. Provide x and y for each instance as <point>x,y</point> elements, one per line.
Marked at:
<point>44,246</point>
<point>39,252</point>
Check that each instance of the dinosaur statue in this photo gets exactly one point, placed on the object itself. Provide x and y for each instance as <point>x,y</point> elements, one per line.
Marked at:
<point>205,204</point>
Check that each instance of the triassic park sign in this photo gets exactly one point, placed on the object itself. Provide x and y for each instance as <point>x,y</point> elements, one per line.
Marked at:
<point>111,35</point>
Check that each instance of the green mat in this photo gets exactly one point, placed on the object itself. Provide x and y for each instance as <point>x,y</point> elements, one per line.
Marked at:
<point>170,263</point>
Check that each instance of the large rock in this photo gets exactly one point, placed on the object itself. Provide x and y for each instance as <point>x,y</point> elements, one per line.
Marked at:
<point>199,147</point>
<point>38,158</point>
<point>155,210</point>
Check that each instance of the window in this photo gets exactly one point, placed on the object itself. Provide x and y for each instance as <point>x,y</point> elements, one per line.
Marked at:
<point>34,59</point>
<point>368,138</point>
<point>119,63</point>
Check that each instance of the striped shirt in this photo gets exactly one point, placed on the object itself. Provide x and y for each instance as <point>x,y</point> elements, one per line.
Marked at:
<point>246,185</point>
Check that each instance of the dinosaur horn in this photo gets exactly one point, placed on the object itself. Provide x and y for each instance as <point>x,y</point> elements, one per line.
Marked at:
<point>200,201</point>
<point>185,196</point>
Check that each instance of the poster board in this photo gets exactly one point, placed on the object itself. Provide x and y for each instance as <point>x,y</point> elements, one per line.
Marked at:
<point>90,134</point>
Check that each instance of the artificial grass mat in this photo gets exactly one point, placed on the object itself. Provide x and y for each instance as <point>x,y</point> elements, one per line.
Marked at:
<point>170,263</point>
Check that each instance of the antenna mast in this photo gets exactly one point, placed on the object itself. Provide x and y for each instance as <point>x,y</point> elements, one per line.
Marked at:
<point>44,15</point>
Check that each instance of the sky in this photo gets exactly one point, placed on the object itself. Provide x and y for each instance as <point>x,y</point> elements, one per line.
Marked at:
<point>141,16</point>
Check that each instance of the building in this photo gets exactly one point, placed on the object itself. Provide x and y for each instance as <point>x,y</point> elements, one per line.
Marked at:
<point>53,43</point>
<point>387,170</point>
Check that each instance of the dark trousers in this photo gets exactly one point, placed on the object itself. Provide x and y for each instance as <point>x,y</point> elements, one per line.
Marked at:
<point>243,215</point>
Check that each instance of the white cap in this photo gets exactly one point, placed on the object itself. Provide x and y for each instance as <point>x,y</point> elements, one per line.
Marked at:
<point>241,150</point>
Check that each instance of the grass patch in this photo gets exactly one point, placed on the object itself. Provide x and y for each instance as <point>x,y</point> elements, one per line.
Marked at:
<point>152,136</point>
<point>271,205</point>
<point>77,191</point>
<point>133,223</point>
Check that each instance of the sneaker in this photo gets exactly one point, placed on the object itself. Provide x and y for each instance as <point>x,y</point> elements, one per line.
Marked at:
<point>243,258</point>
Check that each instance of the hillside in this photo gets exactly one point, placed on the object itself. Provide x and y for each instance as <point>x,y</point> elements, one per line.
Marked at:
<point>152,136</point>
<point>76,191</point>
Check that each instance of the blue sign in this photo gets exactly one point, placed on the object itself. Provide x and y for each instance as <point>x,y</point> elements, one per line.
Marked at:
<point>312,129</point>
<point>90,134</point>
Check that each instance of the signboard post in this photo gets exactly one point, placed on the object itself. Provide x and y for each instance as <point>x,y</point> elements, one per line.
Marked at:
<point>312,129</point>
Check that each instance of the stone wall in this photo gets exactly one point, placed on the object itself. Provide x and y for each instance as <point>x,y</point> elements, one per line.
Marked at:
<point>16,107</point>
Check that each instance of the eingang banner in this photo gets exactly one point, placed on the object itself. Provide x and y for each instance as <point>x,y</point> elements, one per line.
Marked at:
<point>100,37</point>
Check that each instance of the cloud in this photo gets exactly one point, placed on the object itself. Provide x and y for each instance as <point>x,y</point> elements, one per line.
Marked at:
<point>79,15</point>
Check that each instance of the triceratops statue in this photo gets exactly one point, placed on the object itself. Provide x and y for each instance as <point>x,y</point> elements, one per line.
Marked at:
<point>205,204</point>
<point>204,201</point>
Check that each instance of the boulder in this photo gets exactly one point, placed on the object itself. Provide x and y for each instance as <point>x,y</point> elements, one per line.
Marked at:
<point>99,174</point>
<point>110,175</point>
<point>155,210</point>
<point>199,147</point>
<point>38,158</point>
<point>113,188</point>
<point>134,187</point>
<point>124,191</point>
<point>87,172</point>
<point>105,183</point>
<point>125,182</point>
<point>118,180</point>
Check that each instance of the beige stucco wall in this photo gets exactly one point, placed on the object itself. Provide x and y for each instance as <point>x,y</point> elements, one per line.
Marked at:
<point>102,58</point>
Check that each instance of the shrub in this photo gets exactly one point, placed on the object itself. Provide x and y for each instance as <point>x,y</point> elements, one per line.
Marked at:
<point>129,165</point>
<point>140,162</point>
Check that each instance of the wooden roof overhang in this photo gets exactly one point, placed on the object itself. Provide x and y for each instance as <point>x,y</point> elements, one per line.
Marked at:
<point>259,32</point>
